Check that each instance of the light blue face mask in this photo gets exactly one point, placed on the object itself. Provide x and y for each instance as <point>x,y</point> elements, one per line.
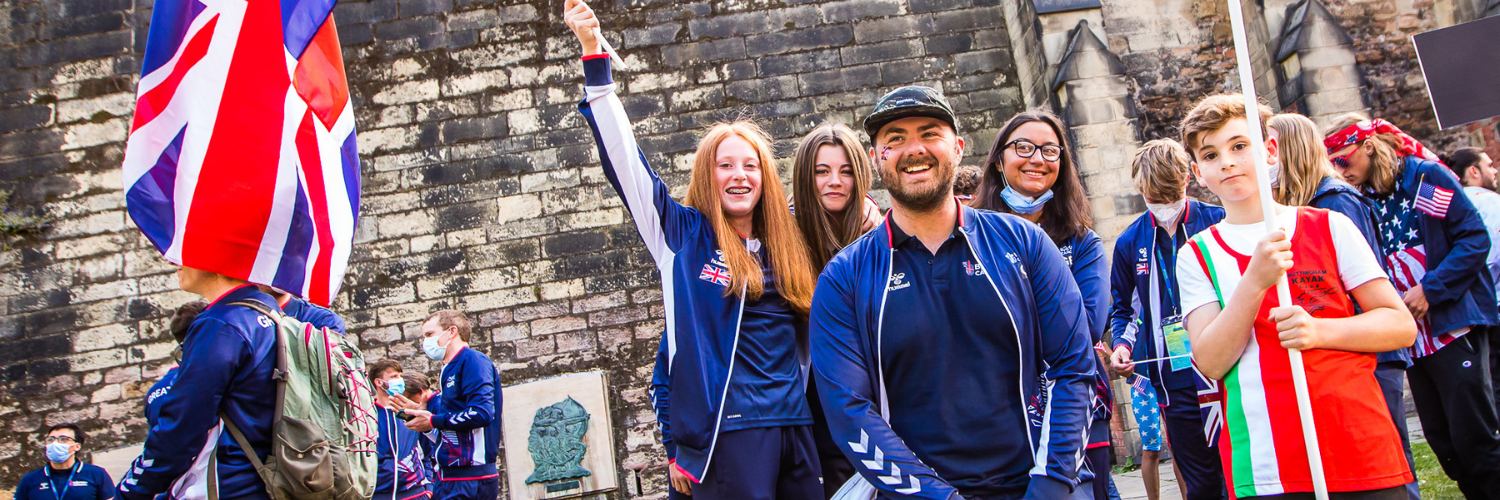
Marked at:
<point>1023,204</point>
<point>395,386</point>
<point>58,452</point>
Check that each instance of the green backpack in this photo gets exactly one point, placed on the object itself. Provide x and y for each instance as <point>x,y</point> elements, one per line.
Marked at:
<point>323,435</point>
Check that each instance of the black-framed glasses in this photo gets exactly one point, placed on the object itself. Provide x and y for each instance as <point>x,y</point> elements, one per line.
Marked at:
<point>59,439</point>
<point>1026,149</point>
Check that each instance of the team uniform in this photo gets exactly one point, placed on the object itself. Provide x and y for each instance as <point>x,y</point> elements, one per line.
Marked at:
<point>81,482</point>
<point>1084,256</point>
<point>467,422</point>
<point>1144,288</point>
<point>227,363</point>
<point>1261,443</point>
<point>929,363</point>
<point>738,422</point>
<point>1390,366</point>
<point>402,471</point>
<point>1487,203</point>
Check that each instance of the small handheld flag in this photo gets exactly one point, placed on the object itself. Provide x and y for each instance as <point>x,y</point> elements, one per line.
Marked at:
<point>242,158</point>
<point>1433,200</point>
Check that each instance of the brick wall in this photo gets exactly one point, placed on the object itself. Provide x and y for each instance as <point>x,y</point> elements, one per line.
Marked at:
<point>482,189</point>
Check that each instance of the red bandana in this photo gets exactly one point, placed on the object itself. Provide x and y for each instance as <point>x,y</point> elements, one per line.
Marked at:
<point>1357,133</point>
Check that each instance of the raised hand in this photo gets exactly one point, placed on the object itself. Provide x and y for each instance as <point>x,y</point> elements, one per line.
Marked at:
<point>580,18</point>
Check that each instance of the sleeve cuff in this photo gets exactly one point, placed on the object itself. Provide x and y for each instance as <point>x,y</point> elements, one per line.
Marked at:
<point>671,450</point>
<point>596,70</point>
<point>1046,487</point>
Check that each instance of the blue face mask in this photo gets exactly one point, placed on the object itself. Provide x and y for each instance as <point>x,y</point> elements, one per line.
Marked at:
<point>1023,204</point>
<point>395,386</point>
<point>59,452</point>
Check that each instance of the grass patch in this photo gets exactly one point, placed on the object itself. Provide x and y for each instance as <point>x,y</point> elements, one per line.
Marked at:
<point>1434,483</point>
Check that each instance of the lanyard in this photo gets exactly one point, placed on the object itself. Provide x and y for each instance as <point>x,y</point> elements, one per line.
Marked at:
<point>1166,277</point>
<point>69,484</point>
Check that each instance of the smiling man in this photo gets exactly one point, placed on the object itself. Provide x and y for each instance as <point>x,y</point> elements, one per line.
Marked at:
<point>976,382</point>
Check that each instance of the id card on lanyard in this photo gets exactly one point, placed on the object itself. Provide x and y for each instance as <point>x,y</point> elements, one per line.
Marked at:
<point>1174,337</point>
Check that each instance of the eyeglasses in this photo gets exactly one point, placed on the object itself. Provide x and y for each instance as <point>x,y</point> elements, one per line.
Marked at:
<point>58,439</point>
<point>1340,161</point>
<point>1025,149</point>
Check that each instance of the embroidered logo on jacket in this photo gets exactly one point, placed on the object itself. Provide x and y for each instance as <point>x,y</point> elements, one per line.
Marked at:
<point>898,281</point>
<point>715,274</point>
<point>1067,253</point>
<point>973,268</point>
<point>1017,261</point>
<point>1142,262</point>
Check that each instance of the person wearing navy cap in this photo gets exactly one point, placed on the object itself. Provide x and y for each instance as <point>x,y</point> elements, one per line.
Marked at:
<point>950,345</point>
<point>65,477</point>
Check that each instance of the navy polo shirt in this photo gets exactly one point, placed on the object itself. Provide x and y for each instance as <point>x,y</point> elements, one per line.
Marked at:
<point>90,482</point>
<point>950,357</point>
<point>766,388</point>
<point>1171,298</point>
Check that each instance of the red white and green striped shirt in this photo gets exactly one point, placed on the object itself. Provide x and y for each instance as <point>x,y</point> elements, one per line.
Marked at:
<point>1261,445</point>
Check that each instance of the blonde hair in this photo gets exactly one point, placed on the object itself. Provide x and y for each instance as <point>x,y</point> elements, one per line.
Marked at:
<point>1161,169</point>
<point>1385,161</point>
<point>1212,113</point>
<point>826,233</point>
<point>773,221</point>
<point>1303,159</point>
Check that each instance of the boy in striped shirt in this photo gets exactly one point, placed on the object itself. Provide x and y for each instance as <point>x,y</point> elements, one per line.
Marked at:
<point>1226,276</point>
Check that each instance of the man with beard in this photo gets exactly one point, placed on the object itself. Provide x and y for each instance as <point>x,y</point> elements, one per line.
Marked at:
<point>950,344</point>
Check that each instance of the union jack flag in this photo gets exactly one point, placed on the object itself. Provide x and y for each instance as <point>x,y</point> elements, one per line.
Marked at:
<point>714,274</point>
<point>1210,406</point>
<point>242,158</point>
<point>1433,200</point>
<point>1143,268</point>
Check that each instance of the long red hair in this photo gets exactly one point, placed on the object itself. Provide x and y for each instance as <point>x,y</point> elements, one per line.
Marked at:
<point>773,221</point>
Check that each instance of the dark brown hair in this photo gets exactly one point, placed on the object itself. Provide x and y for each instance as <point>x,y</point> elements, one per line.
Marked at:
<point>826,233</point>
<point>377,369</point>
<point>1460,161</point>
<point>183,317</point>
<point>415,384</point>
<point>966,180</point>
<point>1069,213</point>
<point>78,435</point>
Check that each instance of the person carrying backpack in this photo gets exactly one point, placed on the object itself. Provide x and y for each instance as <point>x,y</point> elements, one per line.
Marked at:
<point>228,356</point>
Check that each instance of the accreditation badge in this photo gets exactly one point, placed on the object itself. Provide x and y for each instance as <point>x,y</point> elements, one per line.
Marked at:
<point>1178,347</point>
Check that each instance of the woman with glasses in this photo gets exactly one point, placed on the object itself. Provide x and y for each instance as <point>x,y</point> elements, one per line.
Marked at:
<point>1030,172</point>
<point>65,477</point>
<point>1436,245</point>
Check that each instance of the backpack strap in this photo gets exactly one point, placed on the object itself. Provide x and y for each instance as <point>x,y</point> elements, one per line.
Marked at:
<point>279,375</point>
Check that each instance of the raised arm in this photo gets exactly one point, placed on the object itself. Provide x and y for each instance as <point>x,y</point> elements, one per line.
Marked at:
<point>660,219</point>
<point>844,375</point>
<point>481,401</point>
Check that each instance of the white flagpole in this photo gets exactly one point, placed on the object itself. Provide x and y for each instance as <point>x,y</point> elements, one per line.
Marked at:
<point>614,57</point>
<point>1283,294</point>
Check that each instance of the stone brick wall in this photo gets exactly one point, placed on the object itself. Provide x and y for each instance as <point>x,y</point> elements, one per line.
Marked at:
<point>482,189</point>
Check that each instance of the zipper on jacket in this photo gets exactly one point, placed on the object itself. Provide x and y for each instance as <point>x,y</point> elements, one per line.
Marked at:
<point>724,396</point>
<point>1020,349</point>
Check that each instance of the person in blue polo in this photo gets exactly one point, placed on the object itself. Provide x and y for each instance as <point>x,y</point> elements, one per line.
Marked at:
<point>466,413</point>
<point>65,477</point>
<point>950,345</point>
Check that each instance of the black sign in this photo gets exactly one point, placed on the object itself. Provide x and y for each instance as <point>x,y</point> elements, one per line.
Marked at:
<point>1462,67</point>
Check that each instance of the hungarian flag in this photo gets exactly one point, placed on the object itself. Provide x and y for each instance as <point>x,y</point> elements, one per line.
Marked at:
<point>242,159</point>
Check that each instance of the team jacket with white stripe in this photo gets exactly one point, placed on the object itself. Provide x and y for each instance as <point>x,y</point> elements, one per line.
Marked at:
<point>227,360</point>
<point>1133,268</point>
<point>467,417</point>
<point>1055,361</point>
<point>703,337</point>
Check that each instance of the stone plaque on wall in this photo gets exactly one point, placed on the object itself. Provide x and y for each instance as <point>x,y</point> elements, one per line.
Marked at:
<point>557,439</point>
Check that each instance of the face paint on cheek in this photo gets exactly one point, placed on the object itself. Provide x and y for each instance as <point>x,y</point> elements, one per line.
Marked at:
<point>885,153</point>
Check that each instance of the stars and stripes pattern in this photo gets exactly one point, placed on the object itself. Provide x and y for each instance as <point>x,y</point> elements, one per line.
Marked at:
<point>1406,256</point>
<point>242,158</point>
<point>1433,200</point>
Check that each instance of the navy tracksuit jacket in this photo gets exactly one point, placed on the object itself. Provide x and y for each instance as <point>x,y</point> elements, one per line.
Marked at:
<point>227,360</point>
<point>468,417</point>
<point>1048,331</point>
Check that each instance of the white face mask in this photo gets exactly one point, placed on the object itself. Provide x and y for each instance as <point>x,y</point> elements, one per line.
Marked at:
<point>432,349</point>
<point>1166,215</point>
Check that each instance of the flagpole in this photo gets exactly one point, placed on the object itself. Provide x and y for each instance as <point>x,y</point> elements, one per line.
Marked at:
<point>1268,210</point>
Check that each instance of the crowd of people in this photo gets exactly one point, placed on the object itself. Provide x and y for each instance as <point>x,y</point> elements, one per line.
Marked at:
<point>961,343</point>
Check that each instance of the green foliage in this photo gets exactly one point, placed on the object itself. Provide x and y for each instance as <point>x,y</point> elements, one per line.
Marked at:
<point>1434,483</point>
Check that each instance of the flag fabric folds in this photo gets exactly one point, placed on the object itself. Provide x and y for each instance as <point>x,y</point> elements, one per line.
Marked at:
<point>242,157</point>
